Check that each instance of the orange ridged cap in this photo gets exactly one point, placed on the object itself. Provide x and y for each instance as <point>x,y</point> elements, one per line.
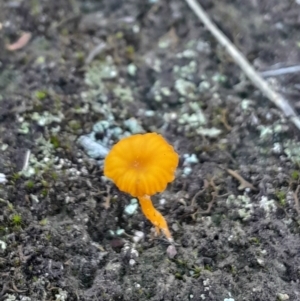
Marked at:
<point>141,164</point>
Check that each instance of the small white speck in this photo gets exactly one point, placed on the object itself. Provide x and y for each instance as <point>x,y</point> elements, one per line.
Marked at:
<point>162,201</point>
<point>3,244</point>
<point>138,236</point>
<point>3,179</point>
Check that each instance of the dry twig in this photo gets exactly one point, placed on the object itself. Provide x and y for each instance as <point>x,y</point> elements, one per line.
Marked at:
<point>243,183</point>
<point>224,120</point>
<point>244,64</point>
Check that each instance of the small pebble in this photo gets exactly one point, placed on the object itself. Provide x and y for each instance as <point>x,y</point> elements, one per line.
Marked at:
<point>3,179</point>
<point>283,297</point>
<point>171,251</point>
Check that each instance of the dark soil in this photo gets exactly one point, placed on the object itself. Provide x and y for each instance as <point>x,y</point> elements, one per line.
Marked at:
<point>94,71</point>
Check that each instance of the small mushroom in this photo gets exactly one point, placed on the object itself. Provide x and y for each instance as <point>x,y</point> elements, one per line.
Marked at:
<point>143,165</point>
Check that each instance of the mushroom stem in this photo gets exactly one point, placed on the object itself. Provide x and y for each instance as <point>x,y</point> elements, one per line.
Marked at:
<point>154,216</point>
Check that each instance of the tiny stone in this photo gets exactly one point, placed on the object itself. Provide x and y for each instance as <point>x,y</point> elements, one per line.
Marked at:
<point>2,244</point>
<point>283,297</point>
<point>131,69</point>
<point>171,251</point>
<point>3,179</point>
<point>187,171</point>
<point>138,236</point>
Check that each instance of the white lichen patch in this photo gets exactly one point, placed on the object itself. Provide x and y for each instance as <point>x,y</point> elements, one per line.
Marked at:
<point>93,149</point>
<point>123,93</point>
<point>185,88</point>
<point>190,159</point>
<point>187,71</point>
<point>62,295</point>
<point>242,204</point>
<point>247,104</point>
<point>132,207</point>
<point>268,205</point>
<point>39,164</point>
<point>10,297</point>
<point>209,132</point>
<point>47,118</point>
<point>134,126</point>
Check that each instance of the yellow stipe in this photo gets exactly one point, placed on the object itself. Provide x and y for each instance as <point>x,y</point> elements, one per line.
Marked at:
<point>154,216</point>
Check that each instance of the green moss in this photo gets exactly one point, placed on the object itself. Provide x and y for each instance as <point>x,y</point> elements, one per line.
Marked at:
<point>119,35</point>
<point>74,125</point>
<point>29,184</point>
<point>130,51</point>
<point>44,192</point>
<point>281,197</point>
<point>295,175</point>
<point>3,230</point>
<point>16,176</point>
<point>208,268</point>
<point>45,184</point>
<point>55,141</point>
<point>196,272</point>
<point>10,206</point>
<point>54,176</point>
<point>178,276</point>
<point>44,222</point>
<point>16,220</point>
<point>40,95</point>
<point>48,236</point>
<point>254,240</point>
<point>233,270</point>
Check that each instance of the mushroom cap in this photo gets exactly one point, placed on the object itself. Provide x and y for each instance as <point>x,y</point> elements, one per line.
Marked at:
<point>141,164</point>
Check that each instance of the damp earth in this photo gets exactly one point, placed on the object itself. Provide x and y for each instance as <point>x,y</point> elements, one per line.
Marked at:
<point>75,77</point>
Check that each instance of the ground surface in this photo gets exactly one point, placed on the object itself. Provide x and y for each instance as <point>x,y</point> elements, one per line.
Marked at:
<point>95,71</point>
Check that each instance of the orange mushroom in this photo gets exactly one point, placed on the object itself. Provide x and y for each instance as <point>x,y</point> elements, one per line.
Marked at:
<point>143,165</point>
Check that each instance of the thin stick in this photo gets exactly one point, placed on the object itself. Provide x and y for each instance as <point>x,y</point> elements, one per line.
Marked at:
<point>244,64</point>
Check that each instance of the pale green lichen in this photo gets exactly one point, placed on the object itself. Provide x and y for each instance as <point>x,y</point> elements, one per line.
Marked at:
<point>204,86</point>
<point>101,126</point>
<point>242,204</point>
<point>132,207</point>
<point>101,70</point>
<point>246,104</point>
<point>24,128</point>
<point>47,118</point>
<point>266,132</point>
<point>292,150</point>
<point>185,88</point>
<point>62,295</point>
<point>209,132</point>
<point>123,93</point>
<point>156,91</point>
<point>131,69</point>
<point>39,166</point>
<point>165,91</point>
<point>185,72</point>
<point>219,78</point>
<point>188,54</point>
<point>134,126</point>
<point>94,76</point>
<point>268,205</point>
